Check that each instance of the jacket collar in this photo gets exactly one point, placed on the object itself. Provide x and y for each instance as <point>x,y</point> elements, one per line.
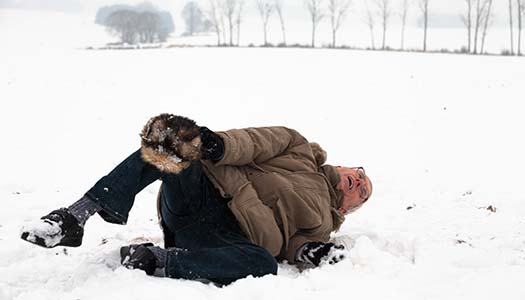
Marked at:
<point>336,195</point>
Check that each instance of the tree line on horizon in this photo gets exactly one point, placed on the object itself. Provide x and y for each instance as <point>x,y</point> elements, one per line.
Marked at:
<point>224,19</point>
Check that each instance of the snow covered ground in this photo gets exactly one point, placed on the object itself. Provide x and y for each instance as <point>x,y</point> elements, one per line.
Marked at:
<point>440,135</point>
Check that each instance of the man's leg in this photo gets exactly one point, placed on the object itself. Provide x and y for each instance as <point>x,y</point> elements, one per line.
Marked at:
<point>222,265</point>
<point>112,197</point>
<point>207,242</point>
<point>115,193</point>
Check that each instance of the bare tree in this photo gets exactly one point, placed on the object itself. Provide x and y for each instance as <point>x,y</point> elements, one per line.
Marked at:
<point>265,8</point>
<point>223,22</point>
<point>316,15</point>
<point>404,13</point>
<point>238,20</point>
<point>214,16</point>
<point>228,9</point>
<point>278,4</point>
<point>337,9</point>
<point>385,11</point>
<point>487,21</point>
<point>481,7</point>
<point>192,15</point>
<point>370,22</point>
<point>423,6</point>
<point>467,20</point>
<point>511,29</point>
<point>521,12</point>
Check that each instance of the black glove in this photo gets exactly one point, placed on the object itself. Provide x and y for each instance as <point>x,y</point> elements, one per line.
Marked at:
<point>212,145</point>
<point>317,252</point>
<point>138,256</point>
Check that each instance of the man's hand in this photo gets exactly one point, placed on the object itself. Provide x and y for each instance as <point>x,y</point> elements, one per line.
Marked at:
<point>212,145</point>
<point>316,253</point>
<point>138,256</point>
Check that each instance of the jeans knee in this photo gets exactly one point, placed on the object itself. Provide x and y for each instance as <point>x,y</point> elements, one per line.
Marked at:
<point>266,264</point>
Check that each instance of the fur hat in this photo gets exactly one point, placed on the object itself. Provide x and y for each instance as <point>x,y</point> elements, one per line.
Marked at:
<point>170,142</point>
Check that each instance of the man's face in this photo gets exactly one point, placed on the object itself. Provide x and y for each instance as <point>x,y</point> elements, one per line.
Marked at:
<point>356,188</point>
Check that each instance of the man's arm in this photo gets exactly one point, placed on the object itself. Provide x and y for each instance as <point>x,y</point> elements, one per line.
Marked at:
<point>244,146</point>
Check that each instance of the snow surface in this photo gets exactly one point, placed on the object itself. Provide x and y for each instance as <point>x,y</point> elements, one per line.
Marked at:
<point>440,136</point>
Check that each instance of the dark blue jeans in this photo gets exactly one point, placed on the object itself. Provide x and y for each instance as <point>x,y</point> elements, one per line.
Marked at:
<point>195,218</point>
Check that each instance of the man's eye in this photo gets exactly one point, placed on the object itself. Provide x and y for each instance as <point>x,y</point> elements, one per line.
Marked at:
<point>350,183</point>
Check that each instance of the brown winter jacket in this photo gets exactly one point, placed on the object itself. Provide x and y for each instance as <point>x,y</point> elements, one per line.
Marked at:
<point>280,192</point>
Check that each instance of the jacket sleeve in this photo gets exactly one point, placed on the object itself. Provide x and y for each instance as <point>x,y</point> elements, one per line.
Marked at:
<point>244,146</point>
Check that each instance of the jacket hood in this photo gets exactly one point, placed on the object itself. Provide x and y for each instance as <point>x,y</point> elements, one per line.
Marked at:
<point>319,154</point>
<point>330,172</point>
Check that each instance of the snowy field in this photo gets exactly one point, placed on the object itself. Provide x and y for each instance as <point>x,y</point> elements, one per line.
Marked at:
<point>441,136</point>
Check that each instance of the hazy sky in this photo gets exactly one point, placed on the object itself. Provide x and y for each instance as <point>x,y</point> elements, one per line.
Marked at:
<point>451,6</point>
<point>296,7</point>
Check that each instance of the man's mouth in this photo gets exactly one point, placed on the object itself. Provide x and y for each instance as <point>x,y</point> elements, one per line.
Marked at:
<point>350,182</point>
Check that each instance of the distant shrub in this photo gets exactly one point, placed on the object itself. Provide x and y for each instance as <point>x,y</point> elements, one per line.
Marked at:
<point>506,52</point>
<point>281,45</point>
<point>143,23</point>
<point>444,50</point>
<point>463,50</point>
<point>297,45</point>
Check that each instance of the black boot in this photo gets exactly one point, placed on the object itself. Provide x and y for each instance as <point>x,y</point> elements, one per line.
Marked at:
<point>58,228</point>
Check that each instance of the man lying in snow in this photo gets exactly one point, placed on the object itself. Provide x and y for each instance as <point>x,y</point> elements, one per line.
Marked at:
<point>230,203</point>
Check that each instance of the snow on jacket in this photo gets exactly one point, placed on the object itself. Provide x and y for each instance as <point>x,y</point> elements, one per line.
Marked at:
<point>281,193</point>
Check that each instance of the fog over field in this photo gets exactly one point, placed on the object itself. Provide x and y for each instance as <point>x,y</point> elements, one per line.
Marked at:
<point>446,28</point>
